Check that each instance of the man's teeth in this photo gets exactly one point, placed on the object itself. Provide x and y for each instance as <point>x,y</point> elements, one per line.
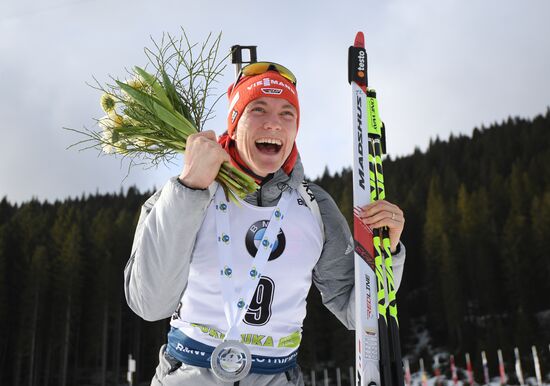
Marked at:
<point>271,141</point>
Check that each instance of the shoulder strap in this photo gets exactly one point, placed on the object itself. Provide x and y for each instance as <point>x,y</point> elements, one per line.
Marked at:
<point>309,198</point>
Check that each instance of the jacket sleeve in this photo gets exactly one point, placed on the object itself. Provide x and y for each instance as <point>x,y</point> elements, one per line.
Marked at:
<point>334,274</point>
<point>156,274</point>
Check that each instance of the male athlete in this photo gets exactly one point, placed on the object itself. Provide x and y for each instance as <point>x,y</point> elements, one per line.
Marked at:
<point>208,263</point>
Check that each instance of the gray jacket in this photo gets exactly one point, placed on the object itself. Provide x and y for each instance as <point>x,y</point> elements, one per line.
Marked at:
<point>156,274</point>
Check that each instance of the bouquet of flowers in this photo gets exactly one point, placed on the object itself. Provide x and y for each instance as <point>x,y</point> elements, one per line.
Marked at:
<point>149,116</point>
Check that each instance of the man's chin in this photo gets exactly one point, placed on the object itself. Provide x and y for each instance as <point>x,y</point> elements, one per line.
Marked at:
<point>264,170</point>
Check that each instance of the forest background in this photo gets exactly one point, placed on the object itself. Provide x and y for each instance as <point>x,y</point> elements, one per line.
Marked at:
<point>476,278</point>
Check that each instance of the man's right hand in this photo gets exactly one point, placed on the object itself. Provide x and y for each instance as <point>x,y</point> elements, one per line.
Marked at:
<point>203,158</point>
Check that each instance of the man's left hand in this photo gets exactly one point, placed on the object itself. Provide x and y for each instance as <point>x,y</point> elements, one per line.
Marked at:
<point>382,213</point>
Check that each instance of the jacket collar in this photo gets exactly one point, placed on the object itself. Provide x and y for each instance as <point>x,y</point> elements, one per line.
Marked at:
<point>271,189</point>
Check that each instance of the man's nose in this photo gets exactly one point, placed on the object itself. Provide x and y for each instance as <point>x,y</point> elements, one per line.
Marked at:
<point>272,122</point>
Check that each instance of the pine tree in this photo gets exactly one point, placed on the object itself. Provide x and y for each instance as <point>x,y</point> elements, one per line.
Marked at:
<point>540,230</point>
<point>38,277</point>
<point>515,258</point>
<point>67,237</point>
<point>4,300</point>
<point>433,244</point>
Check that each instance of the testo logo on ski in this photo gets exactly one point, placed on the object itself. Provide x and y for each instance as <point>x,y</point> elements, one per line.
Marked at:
<point>361,62</point>
<point>254,236</point>
<point>357,66</point>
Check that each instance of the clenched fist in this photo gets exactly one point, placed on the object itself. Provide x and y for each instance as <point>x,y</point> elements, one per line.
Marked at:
<point>203,158</point>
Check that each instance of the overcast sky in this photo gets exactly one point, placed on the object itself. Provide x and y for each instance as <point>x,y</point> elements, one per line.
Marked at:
<point>439,66</point>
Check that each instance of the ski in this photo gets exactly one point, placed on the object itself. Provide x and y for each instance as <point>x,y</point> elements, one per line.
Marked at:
<point>366,303</point>
<point>519,371</point>
<point>485,365</point>
<point>378,349</point>
<point>381,240</point>
<point>469,370</point>
<point>536,363</point>
<point>501,370</point>
<point>454,374</point>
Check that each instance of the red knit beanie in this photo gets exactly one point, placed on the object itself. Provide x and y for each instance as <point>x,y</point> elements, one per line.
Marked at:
<point>269,84</point>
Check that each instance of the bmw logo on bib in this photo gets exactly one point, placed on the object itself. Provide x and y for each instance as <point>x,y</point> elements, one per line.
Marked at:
<point>254,237</point>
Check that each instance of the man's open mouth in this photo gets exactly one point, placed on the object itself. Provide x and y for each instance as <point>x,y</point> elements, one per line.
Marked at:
<point>269,145</point>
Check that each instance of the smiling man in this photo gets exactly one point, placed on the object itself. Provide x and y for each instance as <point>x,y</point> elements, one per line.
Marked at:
<point>266,133</point>
<point>235,277</point>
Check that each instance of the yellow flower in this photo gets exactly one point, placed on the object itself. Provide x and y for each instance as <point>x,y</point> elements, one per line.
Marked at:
<point>136,83</point>
<point>142,142</point>
<point>107,141</point>
<point>105,123</point>
<point>108,103</point>
<point>116,119</point>
<point>129,121</point>
<point>121,147</point>
<point>108,134</point>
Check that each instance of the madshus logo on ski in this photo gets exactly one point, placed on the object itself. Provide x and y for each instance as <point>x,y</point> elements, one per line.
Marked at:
<point>255,234</point>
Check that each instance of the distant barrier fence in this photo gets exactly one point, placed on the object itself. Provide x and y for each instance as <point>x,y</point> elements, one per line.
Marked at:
<point>330,376</point>
<point>443,365</point>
